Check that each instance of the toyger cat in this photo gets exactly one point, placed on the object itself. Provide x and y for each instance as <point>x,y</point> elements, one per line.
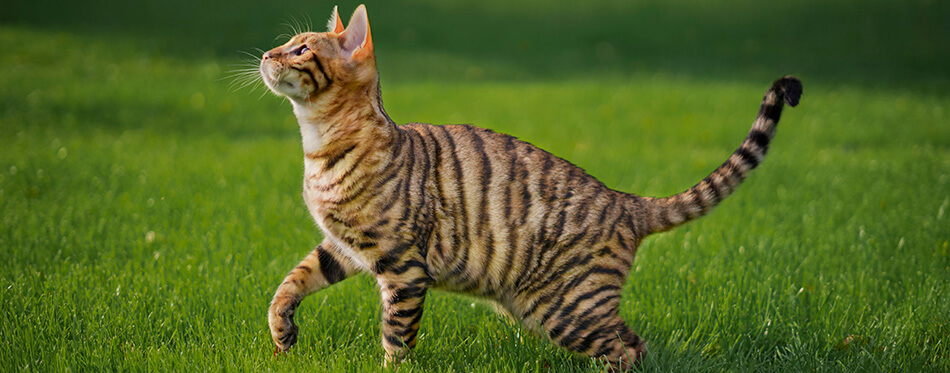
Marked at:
<point>465,209</point>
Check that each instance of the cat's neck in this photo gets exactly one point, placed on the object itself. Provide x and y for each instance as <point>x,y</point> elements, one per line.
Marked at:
<point>332,122</point>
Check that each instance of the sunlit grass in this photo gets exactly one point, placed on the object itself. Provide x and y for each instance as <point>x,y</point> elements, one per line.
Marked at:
<point>149,211</point>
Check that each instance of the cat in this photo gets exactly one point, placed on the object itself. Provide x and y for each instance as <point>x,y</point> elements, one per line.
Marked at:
<point>465,209</point>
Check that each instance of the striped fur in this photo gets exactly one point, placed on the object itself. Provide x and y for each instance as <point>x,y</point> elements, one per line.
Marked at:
<point>465,209</point>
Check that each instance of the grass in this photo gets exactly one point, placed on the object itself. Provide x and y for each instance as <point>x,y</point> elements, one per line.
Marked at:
<point>148,211</point>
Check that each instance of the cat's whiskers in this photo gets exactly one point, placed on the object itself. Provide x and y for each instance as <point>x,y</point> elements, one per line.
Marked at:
<point>283,36</point>
<point>246,73</point>
<point>297,26</point>
<point>256,57</point>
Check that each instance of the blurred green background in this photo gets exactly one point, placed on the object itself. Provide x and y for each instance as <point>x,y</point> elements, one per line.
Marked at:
<point>150,205</point>
<point>866,43</point>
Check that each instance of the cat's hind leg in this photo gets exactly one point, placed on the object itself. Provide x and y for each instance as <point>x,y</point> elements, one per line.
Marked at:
<point>586,320</point>
<point>321,268</point>
<point>618,345</point>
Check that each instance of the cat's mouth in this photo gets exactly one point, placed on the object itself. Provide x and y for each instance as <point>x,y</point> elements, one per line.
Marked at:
<point>277,78</point>
<point>287,85</point>
<point>271,74</point>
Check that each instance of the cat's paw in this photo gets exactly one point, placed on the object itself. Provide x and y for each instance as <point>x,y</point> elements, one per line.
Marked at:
<point>285,338</point>
<point>283,330</point>
<point>394,358</point>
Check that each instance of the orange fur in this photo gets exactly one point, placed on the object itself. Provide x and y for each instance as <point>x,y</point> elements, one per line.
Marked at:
<point>466,209</point>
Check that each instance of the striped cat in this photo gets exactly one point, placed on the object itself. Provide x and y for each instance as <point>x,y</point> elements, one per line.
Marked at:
<point>465,209</point>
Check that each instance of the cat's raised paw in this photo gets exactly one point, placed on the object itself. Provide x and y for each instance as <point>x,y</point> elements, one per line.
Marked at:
<point>283,330</point>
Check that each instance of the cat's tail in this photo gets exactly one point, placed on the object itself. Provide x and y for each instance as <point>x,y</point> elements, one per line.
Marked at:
<point>665,213</point>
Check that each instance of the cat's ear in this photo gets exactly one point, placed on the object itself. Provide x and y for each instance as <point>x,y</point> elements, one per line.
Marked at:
<point>357,41</point>
<point>335,25</point>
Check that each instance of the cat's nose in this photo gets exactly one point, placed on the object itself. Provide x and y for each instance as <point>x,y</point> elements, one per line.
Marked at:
<point>268,56</point>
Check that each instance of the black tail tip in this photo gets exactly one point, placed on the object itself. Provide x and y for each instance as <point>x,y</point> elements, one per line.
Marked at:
<point>790,88</point>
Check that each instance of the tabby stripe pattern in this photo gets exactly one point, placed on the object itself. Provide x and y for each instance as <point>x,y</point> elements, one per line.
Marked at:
<point>468,210</point>
<point>321,268</point>
<point>478,202</point>
<point>667,213</point>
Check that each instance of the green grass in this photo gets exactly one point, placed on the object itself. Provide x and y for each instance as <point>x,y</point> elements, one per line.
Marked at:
<point>148,211</point>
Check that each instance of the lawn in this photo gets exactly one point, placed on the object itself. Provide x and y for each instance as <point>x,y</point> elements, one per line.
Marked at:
<point>149,207</point>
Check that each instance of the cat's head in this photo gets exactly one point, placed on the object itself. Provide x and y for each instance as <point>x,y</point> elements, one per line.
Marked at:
<point>313,63</point>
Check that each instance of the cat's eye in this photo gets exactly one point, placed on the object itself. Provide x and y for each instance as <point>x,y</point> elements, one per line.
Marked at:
<point>302,50</point>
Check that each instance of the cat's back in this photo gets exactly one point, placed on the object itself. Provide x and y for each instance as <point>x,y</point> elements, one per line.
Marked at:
<point>497,157</point>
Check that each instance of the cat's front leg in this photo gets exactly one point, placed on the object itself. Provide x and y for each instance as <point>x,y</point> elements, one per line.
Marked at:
<point>403,283</point>
<point>321,268</point>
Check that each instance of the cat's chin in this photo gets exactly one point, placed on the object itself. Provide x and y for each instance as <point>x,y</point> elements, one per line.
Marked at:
<point>283,84</point>
<point>282,89</point>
